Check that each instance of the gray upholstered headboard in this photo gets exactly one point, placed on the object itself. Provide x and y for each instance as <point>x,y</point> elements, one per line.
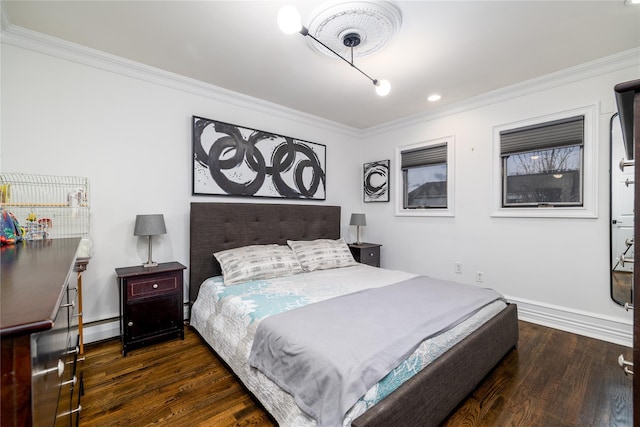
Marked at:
<point>219,226</point>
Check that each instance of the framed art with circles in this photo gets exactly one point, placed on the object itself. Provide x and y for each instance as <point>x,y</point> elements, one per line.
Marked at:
<point>231,160</point>
<point>376,181</point>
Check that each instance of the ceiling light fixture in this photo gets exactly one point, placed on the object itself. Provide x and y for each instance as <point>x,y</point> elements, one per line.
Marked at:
<point>290,22</point>
<point>433,98</point>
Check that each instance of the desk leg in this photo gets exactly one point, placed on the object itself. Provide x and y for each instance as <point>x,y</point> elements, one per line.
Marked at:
<point>80,313</point>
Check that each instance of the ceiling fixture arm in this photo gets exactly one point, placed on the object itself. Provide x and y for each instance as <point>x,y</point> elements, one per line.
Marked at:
<point>306,33</point>
<point>289,22</point>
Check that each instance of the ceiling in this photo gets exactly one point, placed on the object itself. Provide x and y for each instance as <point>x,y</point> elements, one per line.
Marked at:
<point>459,49</point>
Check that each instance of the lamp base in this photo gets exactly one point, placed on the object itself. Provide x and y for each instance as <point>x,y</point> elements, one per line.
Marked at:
<point>150,263</point>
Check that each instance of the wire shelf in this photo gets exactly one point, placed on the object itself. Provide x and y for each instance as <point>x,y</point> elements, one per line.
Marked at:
<point>47,206</point>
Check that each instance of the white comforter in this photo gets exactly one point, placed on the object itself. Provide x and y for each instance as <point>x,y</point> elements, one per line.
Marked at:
<point>227,318</point>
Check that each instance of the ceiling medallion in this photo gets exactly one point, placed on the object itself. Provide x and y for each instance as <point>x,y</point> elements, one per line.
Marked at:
<point>373,24</point>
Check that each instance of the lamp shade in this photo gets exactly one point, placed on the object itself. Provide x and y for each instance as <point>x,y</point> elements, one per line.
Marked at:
<point>149,225</point>
<point>358,219</point>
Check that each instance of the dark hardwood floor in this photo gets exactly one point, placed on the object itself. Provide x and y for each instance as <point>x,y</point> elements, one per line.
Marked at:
<point>553,379</point>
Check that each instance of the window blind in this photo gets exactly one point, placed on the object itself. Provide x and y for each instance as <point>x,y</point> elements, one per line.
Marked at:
<point>543,136</point>
<point>433,154</point>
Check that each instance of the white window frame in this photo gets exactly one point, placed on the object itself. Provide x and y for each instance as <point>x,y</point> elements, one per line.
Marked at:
<point>399,193</point>
<point>589,209</point>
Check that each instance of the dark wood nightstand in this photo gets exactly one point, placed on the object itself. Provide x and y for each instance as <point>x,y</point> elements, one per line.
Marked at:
<point>150,304</point>
<point>366,253</point>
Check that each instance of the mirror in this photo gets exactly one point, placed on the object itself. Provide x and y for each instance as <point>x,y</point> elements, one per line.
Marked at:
<point>621,209</point>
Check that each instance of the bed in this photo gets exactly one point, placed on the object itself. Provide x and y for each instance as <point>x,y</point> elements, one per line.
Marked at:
<point>425,399</point>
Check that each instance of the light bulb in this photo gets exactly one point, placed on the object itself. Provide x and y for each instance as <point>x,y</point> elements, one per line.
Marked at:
<point>289,20</point>
<point>383,87</point>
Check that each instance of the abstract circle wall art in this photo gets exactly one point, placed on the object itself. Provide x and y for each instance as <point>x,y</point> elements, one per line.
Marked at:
<point>376,181</point>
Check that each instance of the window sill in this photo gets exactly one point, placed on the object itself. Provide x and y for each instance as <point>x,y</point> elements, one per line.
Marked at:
<point>439,212</point>
<point>545,212</point>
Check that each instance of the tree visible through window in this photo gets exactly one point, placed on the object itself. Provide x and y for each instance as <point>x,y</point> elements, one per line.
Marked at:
<point>542,164</point>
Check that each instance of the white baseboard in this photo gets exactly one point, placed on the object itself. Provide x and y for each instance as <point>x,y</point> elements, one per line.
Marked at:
<point>575,321</point>
<point>101,330</point>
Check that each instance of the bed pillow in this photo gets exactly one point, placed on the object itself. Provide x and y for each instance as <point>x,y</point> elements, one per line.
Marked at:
<point>322,254</point>
<point>257,262</point>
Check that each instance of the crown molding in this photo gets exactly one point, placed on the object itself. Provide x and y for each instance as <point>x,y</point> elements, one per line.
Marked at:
<point>619,61</point>
<point>42,43</point>
<point>21,37</point>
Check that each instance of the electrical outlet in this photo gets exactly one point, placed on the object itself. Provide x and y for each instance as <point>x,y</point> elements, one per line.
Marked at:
<point>457,267</point>
<point>479,276</point>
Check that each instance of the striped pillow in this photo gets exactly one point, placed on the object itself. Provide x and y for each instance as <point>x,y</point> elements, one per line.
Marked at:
<point>322,254</point>
<point>257,262</point>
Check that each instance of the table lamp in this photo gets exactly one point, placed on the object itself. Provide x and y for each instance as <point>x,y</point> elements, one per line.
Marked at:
<point>149,225</point>
<point>358,219</point>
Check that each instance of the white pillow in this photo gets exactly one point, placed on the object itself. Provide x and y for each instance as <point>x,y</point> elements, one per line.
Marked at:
<point>257,262</point>
<point>322,254</point>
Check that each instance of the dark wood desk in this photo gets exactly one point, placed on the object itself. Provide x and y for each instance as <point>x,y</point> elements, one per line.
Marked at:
<point>37,317</point>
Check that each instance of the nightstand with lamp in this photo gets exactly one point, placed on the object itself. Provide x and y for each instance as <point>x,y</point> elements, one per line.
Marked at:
<point>364,253</point>
<point>150,294</point>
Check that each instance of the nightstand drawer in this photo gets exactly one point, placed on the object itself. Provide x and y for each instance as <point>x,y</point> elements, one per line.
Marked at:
<point>370,257</point>
<point>149,287</point>
<point>366,253</point>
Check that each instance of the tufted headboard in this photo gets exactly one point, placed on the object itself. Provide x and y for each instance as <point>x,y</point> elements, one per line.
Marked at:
<point>219,226</point>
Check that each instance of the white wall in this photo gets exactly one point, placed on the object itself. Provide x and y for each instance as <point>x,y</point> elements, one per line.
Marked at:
<point>556,269</point>
<point>69,111</point>
<point>132,138</point>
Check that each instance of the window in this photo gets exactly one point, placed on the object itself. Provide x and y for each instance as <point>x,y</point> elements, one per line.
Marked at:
<point>545,167</point>
<point>424,179</point>
<point>542,164</point>
<point>424,173</point>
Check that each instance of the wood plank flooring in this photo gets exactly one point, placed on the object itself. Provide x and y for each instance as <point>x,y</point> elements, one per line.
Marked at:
<point>553,379</point>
